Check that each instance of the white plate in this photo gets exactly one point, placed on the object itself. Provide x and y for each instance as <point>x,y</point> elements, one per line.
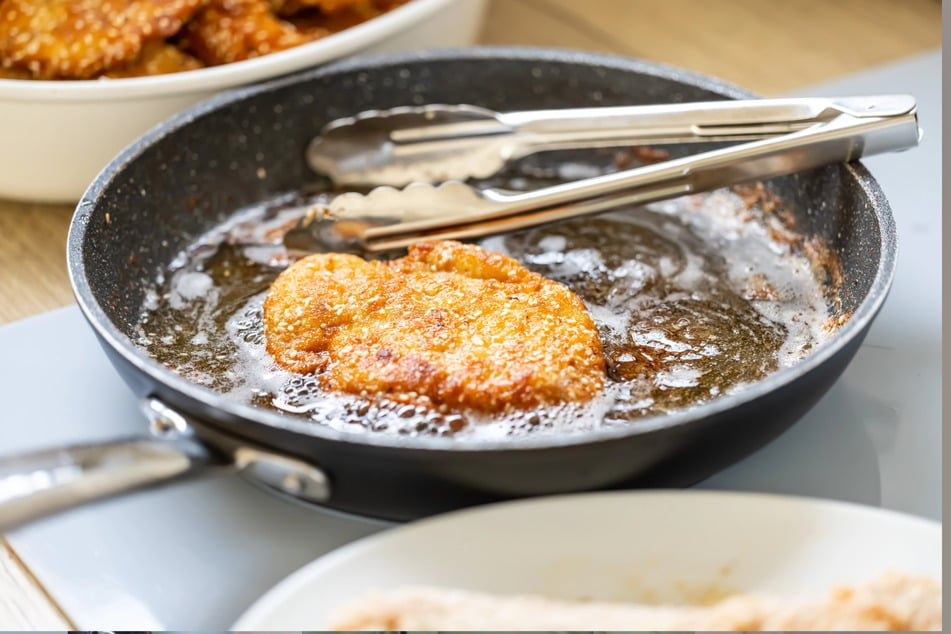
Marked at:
<point>624,546</point>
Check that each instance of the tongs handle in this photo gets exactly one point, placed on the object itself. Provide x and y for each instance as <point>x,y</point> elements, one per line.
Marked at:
<point>846,137</point>
<point>726,120</point>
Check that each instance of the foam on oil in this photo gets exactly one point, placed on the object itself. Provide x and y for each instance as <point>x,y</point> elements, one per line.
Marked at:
<point>691,298</point>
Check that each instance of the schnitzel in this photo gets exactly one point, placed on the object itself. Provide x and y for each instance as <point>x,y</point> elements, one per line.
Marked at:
<point>78,39</point>
<point>96,39</point>
<point>448,325</point>
<point>226,31</point>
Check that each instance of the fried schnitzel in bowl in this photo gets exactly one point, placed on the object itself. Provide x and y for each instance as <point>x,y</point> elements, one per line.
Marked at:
<point>75,88</point>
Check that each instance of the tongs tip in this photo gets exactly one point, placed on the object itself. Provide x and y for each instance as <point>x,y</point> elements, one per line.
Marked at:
<point>877,105</point>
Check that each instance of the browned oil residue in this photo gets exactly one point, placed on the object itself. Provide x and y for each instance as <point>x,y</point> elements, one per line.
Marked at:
<point>694,298</point>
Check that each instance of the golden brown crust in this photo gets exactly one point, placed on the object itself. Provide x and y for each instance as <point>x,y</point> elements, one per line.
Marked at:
<point>88,39</point>
<point>228,31</point>
<point>358,10</point>
<point>78,39</point>
<point>13,73</point>
<point>449,324</point>
<point>328,7</point>
<point>157,58</point>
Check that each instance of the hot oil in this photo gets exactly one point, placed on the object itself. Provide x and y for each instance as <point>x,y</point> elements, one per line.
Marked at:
<point>692,299</point>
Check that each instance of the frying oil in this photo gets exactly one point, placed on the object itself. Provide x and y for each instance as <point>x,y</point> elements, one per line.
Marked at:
<point>693,298</point>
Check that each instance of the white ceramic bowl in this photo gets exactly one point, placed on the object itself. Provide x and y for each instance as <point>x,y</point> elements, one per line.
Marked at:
<point>57,135</point>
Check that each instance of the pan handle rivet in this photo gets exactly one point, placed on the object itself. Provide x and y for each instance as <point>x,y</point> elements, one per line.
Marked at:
<point>164,422</point>
<point>288,475</point>
<point>293,484</point>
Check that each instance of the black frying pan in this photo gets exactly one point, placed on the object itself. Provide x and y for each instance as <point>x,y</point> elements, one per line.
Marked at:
<point>188,174</point>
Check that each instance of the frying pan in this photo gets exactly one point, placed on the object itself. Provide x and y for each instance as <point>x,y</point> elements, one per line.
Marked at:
<point>185,177</point>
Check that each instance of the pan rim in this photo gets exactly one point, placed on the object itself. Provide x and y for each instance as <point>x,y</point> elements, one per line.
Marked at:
<point>277,423</point>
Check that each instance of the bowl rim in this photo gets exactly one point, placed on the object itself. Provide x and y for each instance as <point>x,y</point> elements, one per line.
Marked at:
<point>134,355</point>
<point>209,79</point>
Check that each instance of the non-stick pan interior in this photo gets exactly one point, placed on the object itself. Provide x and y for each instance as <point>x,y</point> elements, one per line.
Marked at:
<point>190,174</point>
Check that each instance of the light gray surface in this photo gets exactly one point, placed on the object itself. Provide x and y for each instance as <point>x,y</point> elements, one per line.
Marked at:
<point>876,436</point>
<point>195,555</point>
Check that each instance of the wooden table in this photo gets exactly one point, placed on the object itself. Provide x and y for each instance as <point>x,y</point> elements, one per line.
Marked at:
<point>768,47</point>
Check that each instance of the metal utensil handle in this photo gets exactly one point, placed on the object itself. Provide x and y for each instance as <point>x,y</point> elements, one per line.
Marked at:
<point>40,483</point>
<point>841,140</point>
<point>728,120</point>
<point>844,139</point>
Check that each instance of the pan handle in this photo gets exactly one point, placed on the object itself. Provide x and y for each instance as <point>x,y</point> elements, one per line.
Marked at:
<point>37,484</point>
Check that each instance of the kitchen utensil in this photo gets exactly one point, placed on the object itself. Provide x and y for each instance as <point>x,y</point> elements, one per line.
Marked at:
<point>441,142</point>
<point>392,218</point>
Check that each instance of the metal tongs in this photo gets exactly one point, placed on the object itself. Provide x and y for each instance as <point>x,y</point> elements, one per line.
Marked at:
<point>421,146</point>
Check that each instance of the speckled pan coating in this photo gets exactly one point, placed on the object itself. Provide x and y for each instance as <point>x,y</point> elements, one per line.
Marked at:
<point>190,172</point>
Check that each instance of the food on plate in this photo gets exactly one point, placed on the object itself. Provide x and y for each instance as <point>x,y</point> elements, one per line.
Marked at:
<point>891,601</point>
<point>449,324</point>
<point>87,39</point>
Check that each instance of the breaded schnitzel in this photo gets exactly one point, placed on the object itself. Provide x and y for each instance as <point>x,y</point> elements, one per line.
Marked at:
<point>449,324</point>
<point>77,39</point>
<point>228,31</point>
<point>328,7</point>
<point>94,39</point>
<point>157,58</point>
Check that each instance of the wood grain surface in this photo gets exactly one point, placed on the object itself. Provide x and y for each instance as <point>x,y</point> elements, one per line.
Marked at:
<point>770,47</point>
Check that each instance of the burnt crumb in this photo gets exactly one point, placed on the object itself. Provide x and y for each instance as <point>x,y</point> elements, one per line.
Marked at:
<point>780,233</point>
<point>834,323</point>
<point>759,288</point>
<point>758,195</point>
<point>639,155</point>
<point>761,204</point>
<point>827,268</point>
<point>787,218</point>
